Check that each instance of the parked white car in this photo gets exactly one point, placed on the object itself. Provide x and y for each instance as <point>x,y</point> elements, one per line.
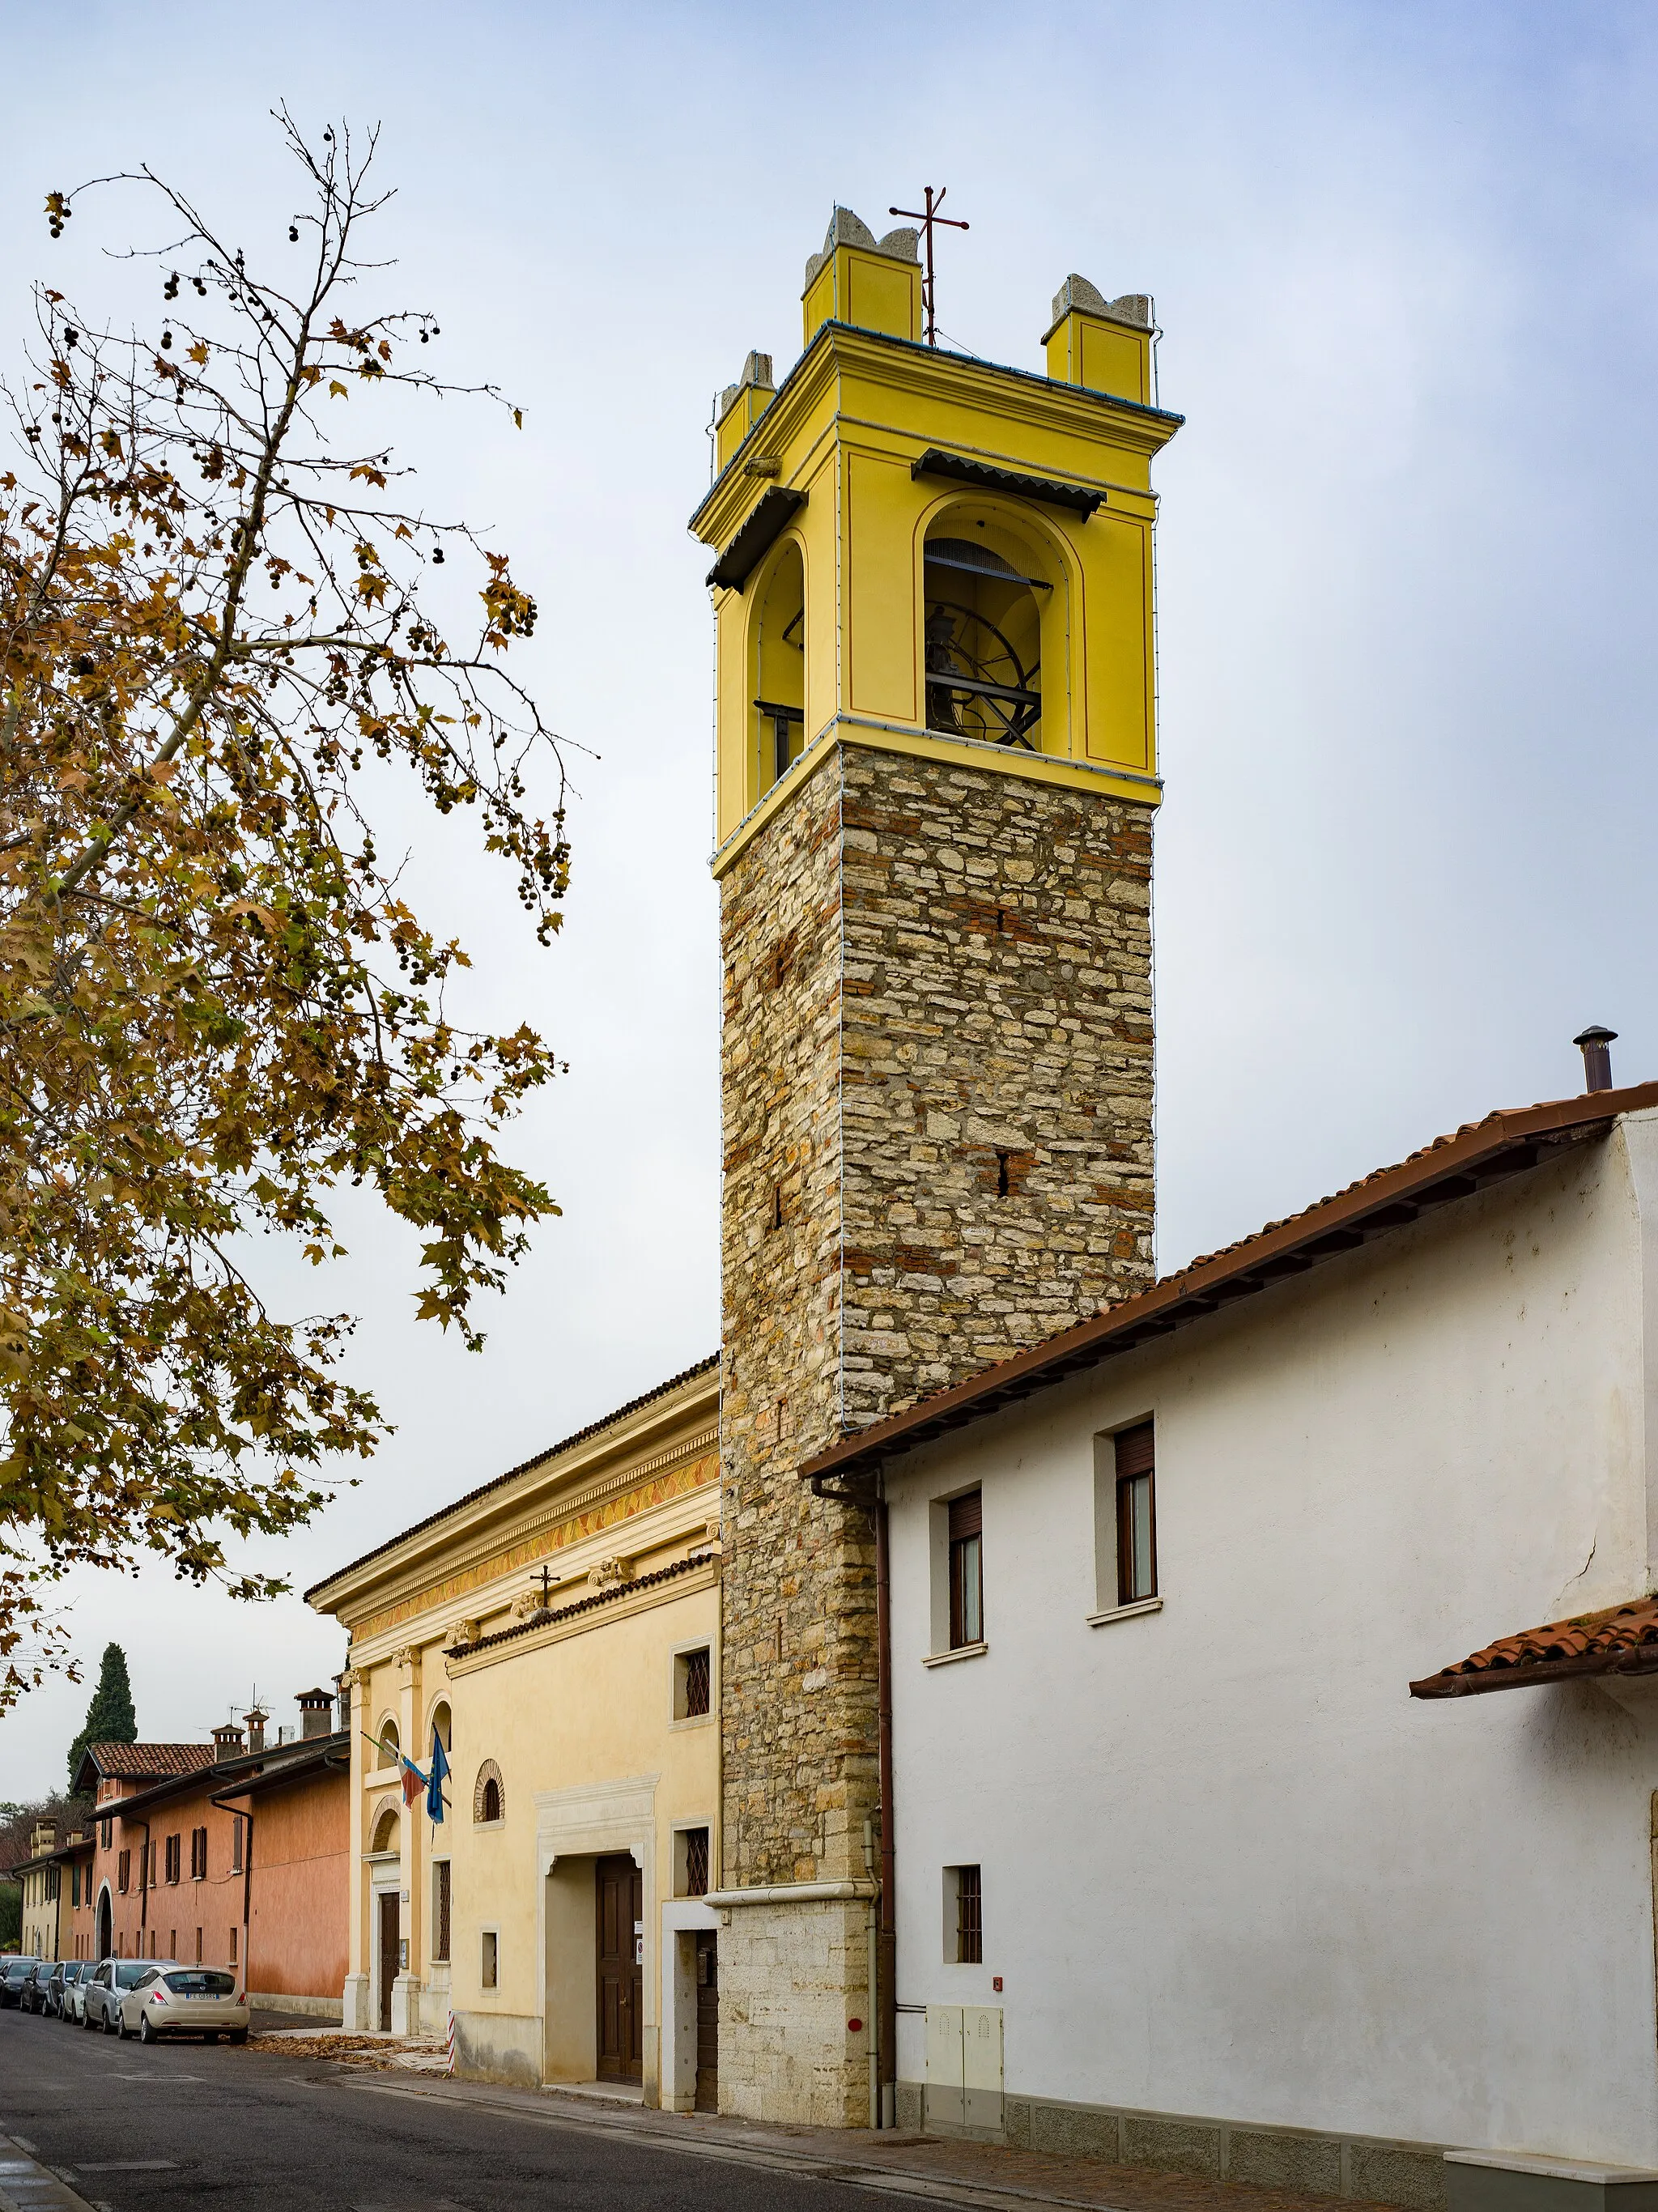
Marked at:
<point>108,1985</point>
<point>174,2000</point>
<point>73,2007</point>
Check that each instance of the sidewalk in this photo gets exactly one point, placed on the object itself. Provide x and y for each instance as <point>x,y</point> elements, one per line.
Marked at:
<point>915,2166</point>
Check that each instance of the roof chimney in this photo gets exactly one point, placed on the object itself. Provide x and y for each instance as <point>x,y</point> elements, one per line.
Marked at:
<point>316,1713</point>
<point>1595,1044</point>
<point>256,1721</point>
<point>45,1838</point>
<point>227,1740</point>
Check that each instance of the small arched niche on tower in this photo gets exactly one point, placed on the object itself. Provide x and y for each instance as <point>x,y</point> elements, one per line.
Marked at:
<point>995,631</point>
<point>777,668</point>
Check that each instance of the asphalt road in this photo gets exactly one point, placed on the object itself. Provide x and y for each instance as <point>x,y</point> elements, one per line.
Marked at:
<point>188,2123</point>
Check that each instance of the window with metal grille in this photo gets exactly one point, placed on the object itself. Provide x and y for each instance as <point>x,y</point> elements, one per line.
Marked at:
<point>1137,1527</point>
<point>969,1917</point>
<point>441,1914</point>
<point>693,1684</point>
<point>966,1589</point>
<point>697,1861</point>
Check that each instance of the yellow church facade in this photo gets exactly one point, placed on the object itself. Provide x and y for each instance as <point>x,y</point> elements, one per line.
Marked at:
<point>558,1631</point>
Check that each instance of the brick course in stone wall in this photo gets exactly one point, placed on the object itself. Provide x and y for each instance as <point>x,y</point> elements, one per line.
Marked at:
<point>937,1093</point>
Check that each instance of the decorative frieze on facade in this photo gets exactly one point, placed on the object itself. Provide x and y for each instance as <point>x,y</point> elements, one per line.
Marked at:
<point>639,1497</point>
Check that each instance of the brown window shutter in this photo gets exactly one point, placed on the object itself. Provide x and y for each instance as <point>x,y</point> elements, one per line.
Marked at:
<point>1134,1452</point>
<point>966,1515</point>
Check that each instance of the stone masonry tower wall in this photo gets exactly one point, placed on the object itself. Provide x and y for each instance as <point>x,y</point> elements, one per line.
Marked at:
<point>938,1150</point>
<point>935,775</point>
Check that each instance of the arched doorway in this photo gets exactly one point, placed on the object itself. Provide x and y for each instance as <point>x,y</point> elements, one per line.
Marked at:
<point>106,1929</point>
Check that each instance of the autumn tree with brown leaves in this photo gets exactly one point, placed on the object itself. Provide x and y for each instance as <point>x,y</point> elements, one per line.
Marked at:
<point>216,1006</point>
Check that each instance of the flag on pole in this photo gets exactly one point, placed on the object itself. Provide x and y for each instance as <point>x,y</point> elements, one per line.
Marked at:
<point>439,1768</point>
<point>413,1781</point>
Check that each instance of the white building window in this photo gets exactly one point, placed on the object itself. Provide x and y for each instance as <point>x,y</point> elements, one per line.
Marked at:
<point>1125,1519</point>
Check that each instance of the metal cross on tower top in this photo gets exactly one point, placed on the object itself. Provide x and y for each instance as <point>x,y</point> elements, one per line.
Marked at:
<point>927,217</point>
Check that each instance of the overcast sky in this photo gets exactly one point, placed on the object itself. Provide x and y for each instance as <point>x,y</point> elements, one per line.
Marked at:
<point>1404,258</point>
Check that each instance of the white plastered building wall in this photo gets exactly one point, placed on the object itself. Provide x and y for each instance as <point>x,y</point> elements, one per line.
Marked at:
<point>1231,1868</point>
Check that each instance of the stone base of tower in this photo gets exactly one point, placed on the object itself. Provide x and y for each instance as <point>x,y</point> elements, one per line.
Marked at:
<point>794,1976</point>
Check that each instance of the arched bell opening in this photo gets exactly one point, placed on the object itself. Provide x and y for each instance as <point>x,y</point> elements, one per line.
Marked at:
<point>988,610</point>
<point>777,668</point>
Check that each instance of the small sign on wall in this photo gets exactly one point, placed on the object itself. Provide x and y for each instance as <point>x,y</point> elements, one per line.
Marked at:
<point>403,1955</point>
<point>639,1942</point>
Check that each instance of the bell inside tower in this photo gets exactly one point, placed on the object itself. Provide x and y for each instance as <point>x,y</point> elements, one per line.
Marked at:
<point>983,633</point>
<point>780,669</point>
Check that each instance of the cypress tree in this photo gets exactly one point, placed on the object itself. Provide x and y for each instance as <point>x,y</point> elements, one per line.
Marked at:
<point>110,1717</point>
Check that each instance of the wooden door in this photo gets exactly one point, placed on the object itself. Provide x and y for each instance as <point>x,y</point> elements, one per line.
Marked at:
<point>707,2022</point>
<point>620,1972</point>
<point>389,1941</point>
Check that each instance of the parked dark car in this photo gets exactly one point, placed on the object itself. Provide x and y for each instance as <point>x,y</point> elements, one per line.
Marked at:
<point>32,1996</point>
<point>17,1972</point>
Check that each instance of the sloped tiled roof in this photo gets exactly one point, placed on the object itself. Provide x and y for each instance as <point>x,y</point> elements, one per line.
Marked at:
<point>609,1596</point>
<point>1620,1639</point>
<point>1451,1167</point>
<point>148,1762</point>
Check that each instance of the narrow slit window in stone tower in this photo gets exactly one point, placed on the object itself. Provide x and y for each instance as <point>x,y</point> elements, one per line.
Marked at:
<point>983,643</point>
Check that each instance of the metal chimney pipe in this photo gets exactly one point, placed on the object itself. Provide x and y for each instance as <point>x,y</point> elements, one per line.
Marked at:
<point>1595,1044</point>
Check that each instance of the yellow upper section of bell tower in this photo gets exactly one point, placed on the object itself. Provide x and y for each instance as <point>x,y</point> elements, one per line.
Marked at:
<point>923,551</point>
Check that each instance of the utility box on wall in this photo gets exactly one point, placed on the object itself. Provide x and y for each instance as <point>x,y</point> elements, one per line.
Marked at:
<point>964,2070</point>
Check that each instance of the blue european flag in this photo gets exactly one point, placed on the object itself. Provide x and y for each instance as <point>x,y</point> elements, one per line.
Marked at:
<point>434,1784</point>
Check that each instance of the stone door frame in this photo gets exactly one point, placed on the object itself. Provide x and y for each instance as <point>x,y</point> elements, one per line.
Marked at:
<point>589,1821</point>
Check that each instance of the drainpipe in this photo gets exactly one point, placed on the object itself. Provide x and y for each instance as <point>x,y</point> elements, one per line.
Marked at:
<point>886,1985</point>
<point>247,1882</point>
<point>143,1891</point>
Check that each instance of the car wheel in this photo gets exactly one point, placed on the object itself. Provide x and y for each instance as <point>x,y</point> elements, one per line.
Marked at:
<point>117,2026</point>
<point>146,2032</point>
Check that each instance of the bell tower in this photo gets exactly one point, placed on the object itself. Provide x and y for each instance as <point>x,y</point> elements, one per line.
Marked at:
<point>936,778</point>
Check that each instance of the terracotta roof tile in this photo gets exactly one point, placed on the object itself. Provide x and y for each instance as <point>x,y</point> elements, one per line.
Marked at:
<point>146,1762</point>
<point>1620,1639</point>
